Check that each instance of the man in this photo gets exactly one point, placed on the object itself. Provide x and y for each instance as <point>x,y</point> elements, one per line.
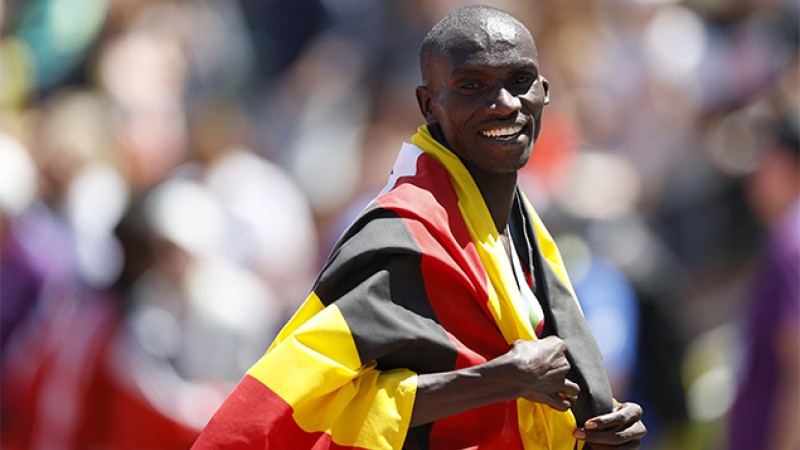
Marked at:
<point>422,332</point>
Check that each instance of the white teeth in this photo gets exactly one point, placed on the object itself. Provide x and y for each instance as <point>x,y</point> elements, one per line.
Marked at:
<point>502,133</point>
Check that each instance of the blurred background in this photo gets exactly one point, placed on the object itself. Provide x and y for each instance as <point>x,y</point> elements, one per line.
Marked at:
<point>174,173</point>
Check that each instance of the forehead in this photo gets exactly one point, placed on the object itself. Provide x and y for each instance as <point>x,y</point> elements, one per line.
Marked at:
<point>491,43</point>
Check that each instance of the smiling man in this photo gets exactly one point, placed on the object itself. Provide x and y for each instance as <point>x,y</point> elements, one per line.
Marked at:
<point>444,318</point>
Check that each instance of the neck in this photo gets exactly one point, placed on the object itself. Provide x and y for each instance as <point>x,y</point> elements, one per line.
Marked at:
<point>498,193</point>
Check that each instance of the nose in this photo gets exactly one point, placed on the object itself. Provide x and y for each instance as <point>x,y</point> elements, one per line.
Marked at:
<point>504,102</point>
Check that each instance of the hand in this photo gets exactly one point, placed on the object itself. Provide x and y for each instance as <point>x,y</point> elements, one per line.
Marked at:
<point>620,429</point>
<point>535,370</point>
<point>541,368</point>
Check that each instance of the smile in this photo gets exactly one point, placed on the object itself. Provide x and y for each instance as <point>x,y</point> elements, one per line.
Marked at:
<point>503,133</point>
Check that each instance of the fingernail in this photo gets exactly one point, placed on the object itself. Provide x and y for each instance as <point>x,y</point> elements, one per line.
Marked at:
<point>590,425</point>
<point>579,434</point>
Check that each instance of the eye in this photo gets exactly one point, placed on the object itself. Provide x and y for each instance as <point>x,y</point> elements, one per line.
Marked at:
<point>524,80</point>
<point>469,85</point>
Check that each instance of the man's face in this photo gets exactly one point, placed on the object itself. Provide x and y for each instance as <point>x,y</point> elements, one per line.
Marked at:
<point>487,96</point>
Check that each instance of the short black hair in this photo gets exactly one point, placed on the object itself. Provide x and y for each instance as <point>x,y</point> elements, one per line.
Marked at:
<point>436,42</point>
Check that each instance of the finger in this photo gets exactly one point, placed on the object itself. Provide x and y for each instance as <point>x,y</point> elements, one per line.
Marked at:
<point>571,389</point>
<point>559,345</point>
<point>634,434</point>
<point>625,413</point>
<point>559,403</point>
<point>626,446</point>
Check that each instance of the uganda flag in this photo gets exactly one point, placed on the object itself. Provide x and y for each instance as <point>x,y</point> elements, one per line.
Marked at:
<point>420,283</point>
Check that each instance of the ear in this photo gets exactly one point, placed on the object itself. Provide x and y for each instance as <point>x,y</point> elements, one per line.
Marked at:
<point>546,88</point>
<point>425,103</point>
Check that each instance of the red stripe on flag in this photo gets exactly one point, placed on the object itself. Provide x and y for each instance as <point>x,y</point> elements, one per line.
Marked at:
<point>455,280</point>
<point>254,416</point>
<point>492,426</point>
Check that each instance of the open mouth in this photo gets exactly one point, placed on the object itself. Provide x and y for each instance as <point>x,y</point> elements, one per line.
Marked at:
<point>504,133</point>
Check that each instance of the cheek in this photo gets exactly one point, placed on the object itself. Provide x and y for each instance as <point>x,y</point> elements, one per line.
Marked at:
<point>451,116</point>
<point>535,96</point>
<point>533,99</point>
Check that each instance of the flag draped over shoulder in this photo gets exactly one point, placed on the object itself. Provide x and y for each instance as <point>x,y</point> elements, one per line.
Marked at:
<point>420,283</point>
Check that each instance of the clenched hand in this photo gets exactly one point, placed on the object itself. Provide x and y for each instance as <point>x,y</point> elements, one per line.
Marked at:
<point>539,368</point>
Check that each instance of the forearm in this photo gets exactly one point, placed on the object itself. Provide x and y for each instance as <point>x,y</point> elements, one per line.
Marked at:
<point>441,395</point>
<point>535,370</point>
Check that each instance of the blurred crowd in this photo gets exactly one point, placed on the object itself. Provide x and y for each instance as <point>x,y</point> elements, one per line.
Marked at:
<point>173,173</point>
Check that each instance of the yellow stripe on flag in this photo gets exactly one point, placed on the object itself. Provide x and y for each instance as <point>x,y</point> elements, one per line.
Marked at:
<point>307,310</point>
<point>314,366</point>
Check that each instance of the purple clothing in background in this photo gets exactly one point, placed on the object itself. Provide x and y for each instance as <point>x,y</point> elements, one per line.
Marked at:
<point>775,302</point>
<point>35,255</point>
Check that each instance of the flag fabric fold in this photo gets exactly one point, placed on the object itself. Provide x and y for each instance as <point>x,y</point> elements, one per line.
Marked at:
<point>420,283</point>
